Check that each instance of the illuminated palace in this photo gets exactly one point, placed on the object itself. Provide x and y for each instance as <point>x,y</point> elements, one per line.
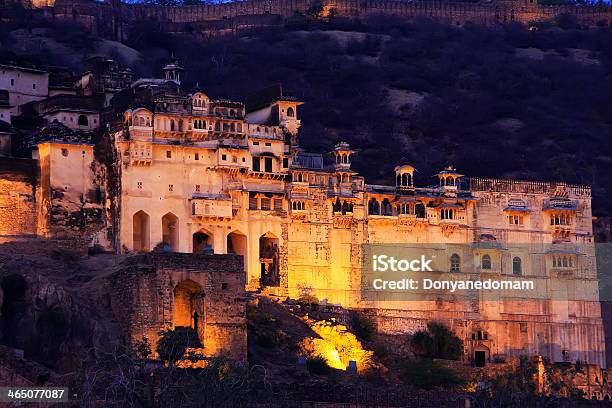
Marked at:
<point>181,172</point>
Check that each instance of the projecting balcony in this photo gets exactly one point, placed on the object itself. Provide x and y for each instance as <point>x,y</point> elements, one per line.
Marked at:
<point>141,155</point>
<point>211,206</point>
<point>142,133</point>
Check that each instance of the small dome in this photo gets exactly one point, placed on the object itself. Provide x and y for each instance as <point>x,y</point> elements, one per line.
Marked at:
<point>405,168</point>
<point>342,146</point>
<point>450,171</point>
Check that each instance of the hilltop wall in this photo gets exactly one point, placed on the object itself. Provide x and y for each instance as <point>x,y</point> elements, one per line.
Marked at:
<point>113,20</point>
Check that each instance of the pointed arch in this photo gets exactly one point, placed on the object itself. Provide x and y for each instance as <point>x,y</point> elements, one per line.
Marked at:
<point>140,231</point>
<point>170,232</point>
<point>202,241</point>
<point>373,206</point>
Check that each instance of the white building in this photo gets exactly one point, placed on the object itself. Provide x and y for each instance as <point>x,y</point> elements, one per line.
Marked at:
<point>24,84</point>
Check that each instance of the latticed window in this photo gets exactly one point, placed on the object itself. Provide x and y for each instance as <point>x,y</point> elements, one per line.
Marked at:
<point>265,203</point>
<point>278,204</point>
<point>253,203</point>
<point>455,263</point>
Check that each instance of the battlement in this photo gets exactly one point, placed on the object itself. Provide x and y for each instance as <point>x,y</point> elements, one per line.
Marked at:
<point>113,19</point>
<point>527,187</point>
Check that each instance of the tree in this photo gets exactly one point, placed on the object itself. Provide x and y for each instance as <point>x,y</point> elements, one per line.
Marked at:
<point>437,342</point>
<point>426,374</point>
<point>172,345</point>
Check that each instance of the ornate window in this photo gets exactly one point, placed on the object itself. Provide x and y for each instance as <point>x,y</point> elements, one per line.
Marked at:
<point>517,266</point>
<point>486,262</point>
<point>455,263</point>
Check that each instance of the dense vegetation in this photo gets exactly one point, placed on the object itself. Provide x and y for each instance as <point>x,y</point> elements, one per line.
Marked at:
<point>495,102</point>
<point>437,342</point>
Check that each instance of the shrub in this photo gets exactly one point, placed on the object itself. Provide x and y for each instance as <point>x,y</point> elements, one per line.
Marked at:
<point>427,374</point>
<point>363,326</point>
<point>317,365</point>
<point>381,351</point>
<point>143,348</point>
<point>172,345</point>
<point>308,300</point>
<point>437,342</point>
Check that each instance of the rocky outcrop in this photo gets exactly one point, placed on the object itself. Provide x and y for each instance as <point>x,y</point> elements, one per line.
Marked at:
<point>54,304</point>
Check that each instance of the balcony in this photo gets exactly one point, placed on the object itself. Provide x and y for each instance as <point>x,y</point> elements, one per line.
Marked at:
<point>143,133</point>
<point>211,206</point>
<point>140,154</point>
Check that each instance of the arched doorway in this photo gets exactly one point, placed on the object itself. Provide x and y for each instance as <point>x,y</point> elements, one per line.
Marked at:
<point>14,307</point>
<point>83,121</point>
<point>237,244</point>
<point>170,232</point>
<point>202,242</point>
<point>268,260</point>
<point>481,356</point>
<point>140,227</point>
<point>188,310</point>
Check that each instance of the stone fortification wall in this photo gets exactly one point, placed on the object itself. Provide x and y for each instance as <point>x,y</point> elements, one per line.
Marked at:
<point>114,19</point>
<point>18,180</point>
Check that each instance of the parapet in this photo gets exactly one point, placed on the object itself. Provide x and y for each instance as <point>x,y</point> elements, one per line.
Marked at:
<point>527,187</point>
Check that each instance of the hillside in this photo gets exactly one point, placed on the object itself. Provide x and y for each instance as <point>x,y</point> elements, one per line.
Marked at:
<point>495,102</point>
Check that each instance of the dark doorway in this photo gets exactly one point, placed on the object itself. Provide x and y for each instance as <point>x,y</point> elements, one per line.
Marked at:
<point>268,259</point>
<point>268,164</point>
<point>480,358</point>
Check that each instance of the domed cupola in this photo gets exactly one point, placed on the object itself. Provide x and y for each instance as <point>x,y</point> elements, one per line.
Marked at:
<point>449,180</point>
<point>404,177</point>
<point>173,70</point>
<point>342,154</point>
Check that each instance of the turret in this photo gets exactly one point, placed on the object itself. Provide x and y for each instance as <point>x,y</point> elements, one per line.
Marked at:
<point>449,180</point>
<point>342,154</point>
<point>404,176</point>
<point>173,70</point>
